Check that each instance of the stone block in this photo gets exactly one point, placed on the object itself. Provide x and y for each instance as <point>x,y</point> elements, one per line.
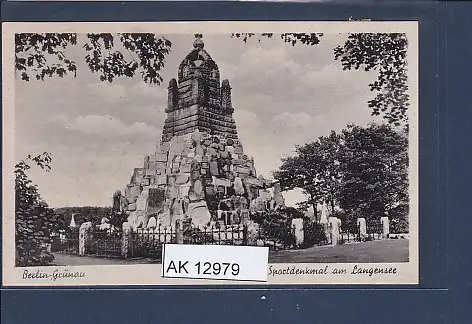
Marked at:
<point>138,174</point>
<point>199,213</point>
<point>253,182</point>
<point>197,188</point>
<point>210,191</point>
<point>184,190</point>
<point>152,223</point>
<point>161,179</point>
<point>196,136</point>
<point>242,169</point>
<point>156,199</point>
<point>207,181</point>
<point>146,161</point>
<point>199,150</point>
<point>177,209</point>
<point>214,170</point>
<point>186,168</point>
<point>238,162</point>
<point>297,225</point>
<point>85,237</point>
<point>238,186</point>
<point>172,191</point>
<point>238,150</point>
<point>176,165</point>
<point>385,226</point>
<point>211,151</point>
<point>141,204</point>
<point>165,147</point>
<point>150,173</point>
<point>181,179</point>
<point>221,182</point>
<point>158,157</point>
<point>225,154</point>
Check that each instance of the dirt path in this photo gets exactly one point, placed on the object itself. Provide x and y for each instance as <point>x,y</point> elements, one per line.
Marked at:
<point>61,259</point>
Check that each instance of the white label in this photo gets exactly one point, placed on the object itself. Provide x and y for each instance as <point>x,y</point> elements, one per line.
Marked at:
<point>224,262</point>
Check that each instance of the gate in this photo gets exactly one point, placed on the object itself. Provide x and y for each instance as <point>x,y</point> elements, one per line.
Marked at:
<point>218,235</point>
<point>147,243</point>
<point>349,233</point>
<point>276,238</point>
<point>66,241</point>
<point>374,230</point>
<point>106,242</point>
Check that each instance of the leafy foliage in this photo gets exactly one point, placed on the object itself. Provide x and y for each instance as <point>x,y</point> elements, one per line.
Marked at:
<point>315,169</point>
<point>314,233</point>
<point>291,38</point>
<point>363,171</point>
<point>34,220</point>
<point>385,53</point>
<point>146,50</point>
<point>31,58</point>
<point>84,214</point>
<point>375,170</point>
<point>43,55</point>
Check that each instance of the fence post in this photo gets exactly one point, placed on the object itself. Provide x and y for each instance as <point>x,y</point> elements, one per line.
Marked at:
<point>335,225</point>
<point>297,225</point>
<point>179,235</point>
<point>125,240</point>
<point>385,227</point>
<point>361,223</point>
<point>85,237</point>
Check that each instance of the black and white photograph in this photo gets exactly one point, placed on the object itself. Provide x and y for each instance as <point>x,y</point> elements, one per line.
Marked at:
<point>301,138</point>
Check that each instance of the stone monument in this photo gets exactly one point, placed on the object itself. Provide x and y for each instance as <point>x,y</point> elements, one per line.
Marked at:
<point>199,172</point>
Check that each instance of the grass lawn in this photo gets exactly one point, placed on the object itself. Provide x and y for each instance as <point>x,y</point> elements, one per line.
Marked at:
<point>373,251</point>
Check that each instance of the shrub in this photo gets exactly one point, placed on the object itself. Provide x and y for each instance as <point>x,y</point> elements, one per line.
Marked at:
<point>34,220</point>
<point>314,233</point>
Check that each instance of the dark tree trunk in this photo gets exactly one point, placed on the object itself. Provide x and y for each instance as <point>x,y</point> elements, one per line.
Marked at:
<point>315,211</point>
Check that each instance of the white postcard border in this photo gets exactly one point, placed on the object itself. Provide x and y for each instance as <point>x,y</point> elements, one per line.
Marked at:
<point>150,274</point>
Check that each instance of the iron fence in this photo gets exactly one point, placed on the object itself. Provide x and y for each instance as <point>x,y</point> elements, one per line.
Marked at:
<point>349,233</point>
<point>217,235</point>
<point>105,242</point>
<point>66,241</point>
<point>147,242</point>
<point>374,230</point>
<point>275,239</point>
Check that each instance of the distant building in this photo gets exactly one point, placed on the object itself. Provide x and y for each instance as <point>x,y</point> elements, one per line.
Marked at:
<point>72,222</point>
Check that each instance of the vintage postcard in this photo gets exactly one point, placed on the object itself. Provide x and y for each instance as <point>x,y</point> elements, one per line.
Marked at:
<point>128,143</point>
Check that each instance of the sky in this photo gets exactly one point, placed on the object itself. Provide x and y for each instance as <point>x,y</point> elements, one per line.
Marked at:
<point>98,132</point>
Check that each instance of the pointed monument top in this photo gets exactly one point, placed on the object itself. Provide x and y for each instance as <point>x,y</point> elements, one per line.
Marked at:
<point>198,42</point>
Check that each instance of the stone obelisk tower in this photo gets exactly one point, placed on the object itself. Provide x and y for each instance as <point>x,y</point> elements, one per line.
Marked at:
<point>199,172</point>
